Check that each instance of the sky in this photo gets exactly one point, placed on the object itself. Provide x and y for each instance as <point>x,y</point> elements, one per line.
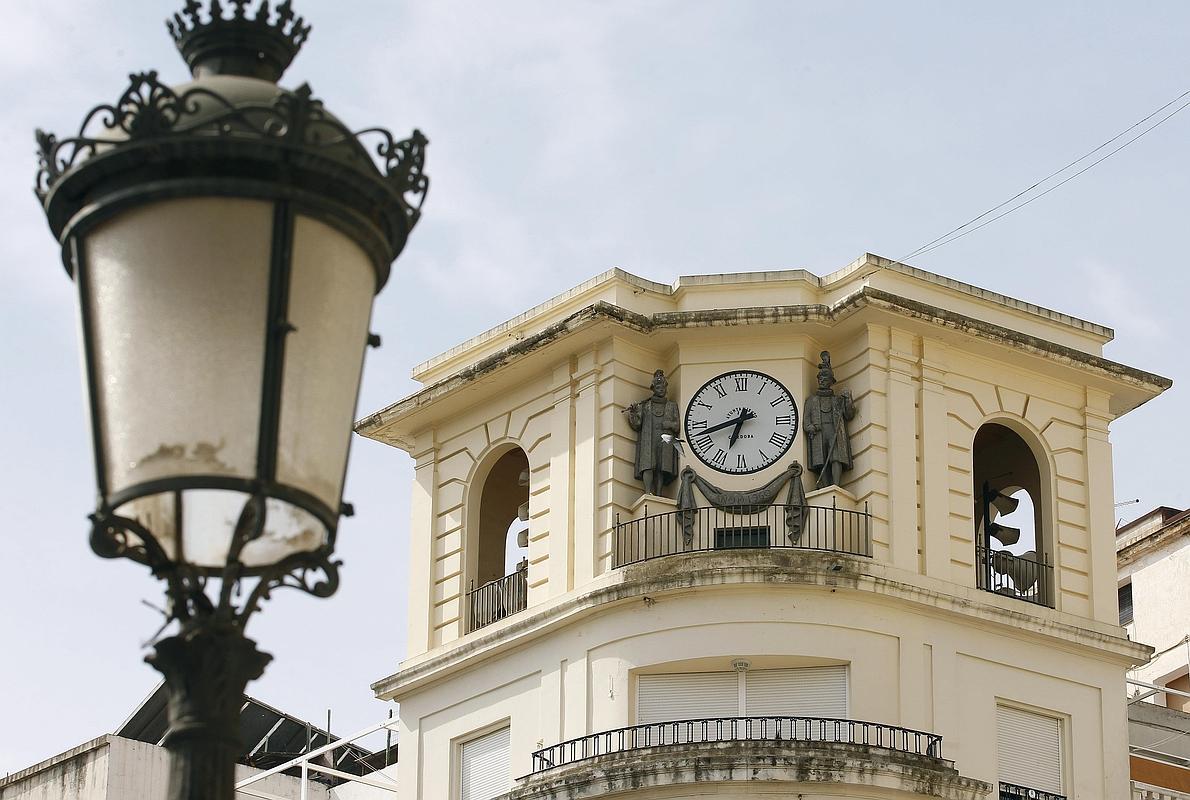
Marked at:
<point>665,137</point>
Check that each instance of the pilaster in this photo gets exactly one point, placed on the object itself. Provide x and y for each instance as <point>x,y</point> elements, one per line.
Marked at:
<point>423,515</point>
<point>561,525</point>
<point>586,465</point>
<point>902,450</point>
<point>935,459</point>
<point>1100,507</point>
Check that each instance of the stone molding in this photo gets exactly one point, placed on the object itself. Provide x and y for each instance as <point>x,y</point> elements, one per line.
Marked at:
<point>836,572</point>
<point>374,424</point>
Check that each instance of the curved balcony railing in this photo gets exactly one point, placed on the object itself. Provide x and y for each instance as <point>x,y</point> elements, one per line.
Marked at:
<point>776,526</point>
<point>773,730</point>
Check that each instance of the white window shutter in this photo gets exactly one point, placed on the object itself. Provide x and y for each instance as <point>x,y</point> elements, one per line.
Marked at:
<point>484,766</point>
<point>804,692</point>
<point>1030,749</point>
<point>684,696</point>
<point>689,695</point>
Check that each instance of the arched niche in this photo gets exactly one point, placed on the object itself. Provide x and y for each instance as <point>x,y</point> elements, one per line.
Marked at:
<point>498,509</point>
<point>1012,501</point>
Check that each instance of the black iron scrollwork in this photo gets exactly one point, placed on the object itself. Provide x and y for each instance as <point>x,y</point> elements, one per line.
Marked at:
<point>149,110</point>
<point>313,572</point>
<point>404,164</point>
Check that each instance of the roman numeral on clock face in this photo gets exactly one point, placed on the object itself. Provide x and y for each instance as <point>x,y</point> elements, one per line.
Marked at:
<point>741,383</point>
<point>784,419</point>
<point>779,439</point>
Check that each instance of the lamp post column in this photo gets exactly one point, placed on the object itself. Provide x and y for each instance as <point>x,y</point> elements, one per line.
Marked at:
<point>206,670</point>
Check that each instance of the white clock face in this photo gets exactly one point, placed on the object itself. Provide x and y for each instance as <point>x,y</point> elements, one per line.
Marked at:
<point>741,422</point>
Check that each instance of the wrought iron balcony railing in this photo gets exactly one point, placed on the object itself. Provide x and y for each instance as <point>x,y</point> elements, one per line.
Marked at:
<point>773,730</point>
<point>497,599</point>
<point>776,526</point>
<point>1028,579</point>
<point>1010,791</point>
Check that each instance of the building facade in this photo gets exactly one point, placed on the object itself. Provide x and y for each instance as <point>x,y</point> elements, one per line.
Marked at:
<point>753,625</point>
<point>1153,554</point>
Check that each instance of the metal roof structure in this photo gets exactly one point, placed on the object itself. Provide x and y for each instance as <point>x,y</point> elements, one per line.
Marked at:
<point>270,738</point>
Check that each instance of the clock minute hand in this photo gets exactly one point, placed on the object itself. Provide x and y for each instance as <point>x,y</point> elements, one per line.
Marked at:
<point>728,424</point>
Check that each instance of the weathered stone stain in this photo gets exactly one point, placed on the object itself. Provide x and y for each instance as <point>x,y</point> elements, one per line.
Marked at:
<point>797,763</point>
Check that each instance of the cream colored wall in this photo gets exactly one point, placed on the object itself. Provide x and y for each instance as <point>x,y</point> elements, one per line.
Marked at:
<point>580,452</point>
<point>447,459</point>
<point>919,401</point>
<point>1066,425</point>
<point>908,666</point>
<point>921,392</point>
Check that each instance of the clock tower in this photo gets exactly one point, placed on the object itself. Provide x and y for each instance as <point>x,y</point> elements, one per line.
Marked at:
<point>847,536</point>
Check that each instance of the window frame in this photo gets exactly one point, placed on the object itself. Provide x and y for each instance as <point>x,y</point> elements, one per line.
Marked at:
<point>1062,722</point>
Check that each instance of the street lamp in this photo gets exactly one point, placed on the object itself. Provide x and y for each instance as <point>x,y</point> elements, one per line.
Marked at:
<point>227,238</point>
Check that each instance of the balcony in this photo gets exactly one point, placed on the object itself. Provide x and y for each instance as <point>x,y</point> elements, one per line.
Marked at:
<point>1010,791</point>
<point>773,730</point>
<point>1001,572</point>
<point>766,527</point>
<point>495,600</point>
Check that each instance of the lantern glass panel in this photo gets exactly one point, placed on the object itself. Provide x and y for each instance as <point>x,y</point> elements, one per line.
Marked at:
<point>178,303</point>
<point>208,518</point>
<point>330,299</point>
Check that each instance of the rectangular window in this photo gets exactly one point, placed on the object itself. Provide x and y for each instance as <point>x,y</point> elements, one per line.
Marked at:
<point>1125,596</point>
<point>484,767</point>
<point>749,536</point>
<point>1030,752</point>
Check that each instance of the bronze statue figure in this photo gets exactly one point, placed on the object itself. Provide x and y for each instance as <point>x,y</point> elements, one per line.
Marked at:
<point>656,459</point>
<point>826,416</point>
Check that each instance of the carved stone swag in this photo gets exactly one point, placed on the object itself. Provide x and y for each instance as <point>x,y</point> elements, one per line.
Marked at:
<point>743,502</point>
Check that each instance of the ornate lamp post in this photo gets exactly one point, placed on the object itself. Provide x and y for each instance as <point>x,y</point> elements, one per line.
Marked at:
<point>227,237</point>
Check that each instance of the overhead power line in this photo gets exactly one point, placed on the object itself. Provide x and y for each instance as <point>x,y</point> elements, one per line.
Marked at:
<point>966,228</point>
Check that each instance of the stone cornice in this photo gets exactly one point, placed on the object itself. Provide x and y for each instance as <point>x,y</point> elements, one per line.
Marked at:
<point>679,573</point>
<point>867,296</point>
<point>861,269</point>
<point>1154,541</point>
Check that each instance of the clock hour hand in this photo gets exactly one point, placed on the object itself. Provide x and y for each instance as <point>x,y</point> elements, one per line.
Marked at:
<point>747,415</point>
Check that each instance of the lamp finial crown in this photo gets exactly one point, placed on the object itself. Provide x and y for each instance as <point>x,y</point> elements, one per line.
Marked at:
<point>227,41</point>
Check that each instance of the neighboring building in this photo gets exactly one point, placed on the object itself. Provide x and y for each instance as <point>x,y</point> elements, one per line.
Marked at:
<point>1159,748</point>
<point>572,637</point>
<point>131,763</point>
<point>1153,556</point>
